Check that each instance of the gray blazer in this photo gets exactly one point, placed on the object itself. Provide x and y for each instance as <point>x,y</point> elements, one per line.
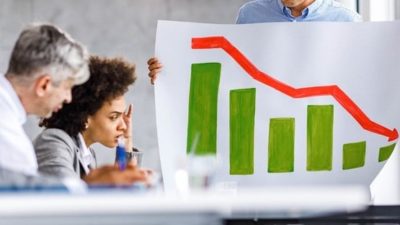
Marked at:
<point>58,154</point>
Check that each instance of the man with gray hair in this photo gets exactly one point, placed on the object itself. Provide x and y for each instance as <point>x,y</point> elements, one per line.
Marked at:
<point>44,66</point>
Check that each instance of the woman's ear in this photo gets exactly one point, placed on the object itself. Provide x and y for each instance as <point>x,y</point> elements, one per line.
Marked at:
<point>88,122</point>
<point>42,85</point>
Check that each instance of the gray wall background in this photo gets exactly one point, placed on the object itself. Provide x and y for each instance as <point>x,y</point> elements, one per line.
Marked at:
<point>124,28</point>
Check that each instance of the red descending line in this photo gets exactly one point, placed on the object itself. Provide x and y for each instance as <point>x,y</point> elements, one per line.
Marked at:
<point>333,90</point>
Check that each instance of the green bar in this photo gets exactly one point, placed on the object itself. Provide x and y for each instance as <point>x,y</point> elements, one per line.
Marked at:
<point>281,145</point>
<point>386,152</point>
<point>319,137</point>
<point>354,155</point>
<point>203,103</point>
<point>242,113</point>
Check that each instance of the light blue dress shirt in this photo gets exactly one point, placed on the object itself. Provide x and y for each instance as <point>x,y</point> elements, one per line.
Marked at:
<point>260,11</point>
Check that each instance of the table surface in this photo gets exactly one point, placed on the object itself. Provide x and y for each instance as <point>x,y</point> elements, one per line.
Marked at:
<point>216,207</point>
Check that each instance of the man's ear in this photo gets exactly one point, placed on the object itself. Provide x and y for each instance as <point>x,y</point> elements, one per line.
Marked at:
<point>42,85</point>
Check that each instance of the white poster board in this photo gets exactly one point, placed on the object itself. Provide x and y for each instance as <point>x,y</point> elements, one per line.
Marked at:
<point>351,70</point>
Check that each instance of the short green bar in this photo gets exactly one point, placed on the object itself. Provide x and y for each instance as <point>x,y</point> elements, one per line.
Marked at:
<point>281,145</point>
<point>319,137</point>
<point>354,155</point>
<point>385,152</point>
<point>203,108</point>
<point>242,113</point>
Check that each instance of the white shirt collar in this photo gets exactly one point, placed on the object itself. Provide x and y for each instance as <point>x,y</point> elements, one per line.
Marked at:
<point>85,154</point>
<point>13,99</point>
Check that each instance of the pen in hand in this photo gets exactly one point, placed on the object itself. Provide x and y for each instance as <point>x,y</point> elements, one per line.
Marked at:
<point>121,156</point>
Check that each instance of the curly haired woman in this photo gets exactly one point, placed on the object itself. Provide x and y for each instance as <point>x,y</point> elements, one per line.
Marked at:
<point>97,114</point>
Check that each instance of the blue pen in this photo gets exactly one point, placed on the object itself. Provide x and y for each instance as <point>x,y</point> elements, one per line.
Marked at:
<point>121,156</point>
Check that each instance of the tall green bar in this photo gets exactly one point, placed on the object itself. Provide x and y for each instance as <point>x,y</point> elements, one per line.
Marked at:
<point>242,113</point>
<point>281,145</point>
<point>203,107</point>
<point>319,137</point>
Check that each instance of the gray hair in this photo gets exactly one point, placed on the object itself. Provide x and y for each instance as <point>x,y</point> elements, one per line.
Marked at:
<point>47,49</point>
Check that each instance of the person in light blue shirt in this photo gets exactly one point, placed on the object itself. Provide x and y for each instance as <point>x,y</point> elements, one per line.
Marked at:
<point>260,11</point>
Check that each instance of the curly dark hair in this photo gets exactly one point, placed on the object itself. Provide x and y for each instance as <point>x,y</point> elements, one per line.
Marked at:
<point>109,79</point>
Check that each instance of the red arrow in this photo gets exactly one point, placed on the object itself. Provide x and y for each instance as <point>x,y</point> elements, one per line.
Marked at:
<point>333,90</point>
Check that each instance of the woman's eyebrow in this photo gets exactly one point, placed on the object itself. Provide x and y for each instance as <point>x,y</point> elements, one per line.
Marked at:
<point>116,112</point>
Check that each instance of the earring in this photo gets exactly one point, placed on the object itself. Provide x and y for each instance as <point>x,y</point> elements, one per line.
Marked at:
<point>86,126</point>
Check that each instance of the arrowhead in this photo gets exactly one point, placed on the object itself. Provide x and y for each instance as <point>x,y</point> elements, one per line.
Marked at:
<point>393,135</point>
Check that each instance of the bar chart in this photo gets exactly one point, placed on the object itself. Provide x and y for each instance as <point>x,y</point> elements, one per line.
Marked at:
<point>280,142</point>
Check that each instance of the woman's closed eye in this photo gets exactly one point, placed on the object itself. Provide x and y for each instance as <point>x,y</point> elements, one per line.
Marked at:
<point>115,116</point>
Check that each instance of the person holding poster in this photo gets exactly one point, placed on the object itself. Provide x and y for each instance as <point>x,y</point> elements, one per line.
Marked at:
<point>261,11</point>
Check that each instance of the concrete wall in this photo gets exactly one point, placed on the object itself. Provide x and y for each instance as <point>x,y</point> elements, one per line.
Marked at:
<point>124,28</point>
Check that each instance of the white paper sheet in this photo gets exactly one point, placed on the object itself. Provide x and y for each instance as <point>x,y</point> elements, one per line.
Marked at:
<point>361,59</point>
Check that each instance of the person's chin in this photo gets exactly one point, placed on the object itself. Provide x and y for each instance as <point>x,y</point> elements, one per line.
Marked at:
<point>111,144</point>
<point>48,115</point>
